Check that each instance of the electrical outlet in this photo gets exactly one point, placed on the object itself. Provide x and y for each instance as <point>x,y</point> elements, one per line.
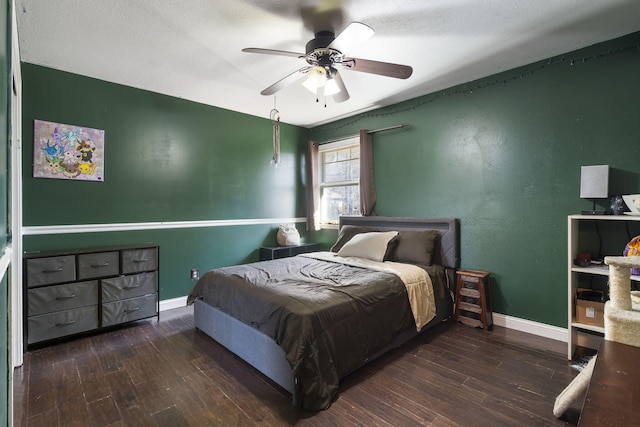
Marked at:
<point>195,274</point>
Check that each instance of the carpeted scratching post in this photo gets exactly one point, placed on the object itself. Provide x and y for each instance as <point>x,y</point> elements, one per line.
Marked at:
<point>621,316</point>
<point>574,390</point>
<point>621,324</point>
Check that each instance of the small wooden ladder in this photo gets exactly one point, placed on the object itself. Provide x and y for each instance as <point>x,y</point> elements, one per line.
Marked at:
<point>473,302</point>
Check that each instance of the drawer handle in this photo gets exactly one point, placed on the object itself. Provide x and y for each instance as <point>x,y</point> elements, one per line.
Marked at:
<point>131,310</point>
<point>70,322</point>
<point>66,297</point>
<point>141,260</point>
<point>57,270</point>
<point>106,264</point>
<point>131,287</point>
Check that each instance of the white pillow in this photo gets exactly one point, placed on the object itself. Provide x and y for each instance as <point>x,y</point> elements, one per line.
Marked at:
<point>371,245</point>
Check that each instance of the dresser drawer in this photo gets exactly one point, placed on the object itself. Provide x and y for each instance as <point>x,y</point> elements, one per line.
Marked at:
<point>122,287</point>
<point>50,270</point>
<point>62,323</point>
<point>62,297</point>
<point>130,309</point>
<point>139,260</point>
<point>100,264</point>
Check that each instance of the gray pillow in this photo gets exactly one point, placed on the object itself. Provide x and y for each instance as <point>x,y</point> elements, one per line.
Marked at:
<point>346,233</point>
<point>416,247</point>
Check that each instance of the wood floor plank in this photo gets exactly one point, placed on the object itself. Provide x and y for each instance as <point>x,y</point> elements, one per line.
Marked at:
<point>124,392</point>
<point>139,368</point>
<point>103,412</point>
<point>211,399</point>
<point>108,359</point>
<point>91,375</point>
<point>382,399</point>
<point>170,417</point>
<point>40,398</point>
<point>74,411</point>
<point>167,373</point>
<point>419,413</point>
<point>481,371</point>
<point>44,419</point>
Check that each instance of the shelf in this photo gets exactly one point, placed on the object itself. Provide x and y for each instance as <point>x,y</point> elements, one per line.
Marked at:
<point>587,327</point>
<point>596,269</point>
<point>602,270</point>
<point>607,217</point>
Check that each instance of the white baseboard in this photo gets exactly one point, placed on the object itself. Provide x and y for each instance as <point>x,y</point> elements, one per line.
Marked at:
<point>531,327</point>
<point>168,304</point>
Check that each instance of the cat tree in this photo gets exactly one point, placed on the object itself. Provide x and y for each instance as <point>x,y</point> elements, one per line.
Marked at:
<point>621,324</point>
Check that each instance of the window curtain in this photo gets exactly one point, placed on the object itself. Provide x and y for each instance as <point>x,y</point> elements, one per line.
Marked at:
<point>313,190</point>
<point>367,182</point>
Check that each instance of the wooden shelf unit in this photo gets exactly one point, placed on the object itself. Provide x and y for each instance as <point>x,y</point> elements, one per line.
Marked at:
<point>608,235</point>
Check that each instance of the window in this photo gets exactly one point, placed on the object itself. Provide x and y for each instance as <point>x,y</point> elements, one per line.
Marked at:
<point>339,180</point>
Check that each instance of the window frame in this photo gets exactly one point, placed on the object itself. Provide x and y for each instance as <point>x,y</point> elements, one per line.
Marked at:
<point>322,149</point>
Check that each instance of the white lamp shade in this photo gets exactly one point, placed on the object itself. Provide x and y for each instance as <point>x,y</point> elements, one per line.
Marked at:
<point>317,78</point>
<point>594,182</point>
<point>331,87</point>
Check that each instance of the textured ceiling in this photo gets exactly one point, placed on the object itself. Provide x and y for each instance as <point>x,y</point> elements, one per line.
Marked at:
<point>192,49</point>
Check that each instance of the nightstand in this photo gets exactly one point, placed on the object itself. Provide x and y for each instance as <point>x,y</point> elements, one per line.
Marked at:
<point>275,252</point>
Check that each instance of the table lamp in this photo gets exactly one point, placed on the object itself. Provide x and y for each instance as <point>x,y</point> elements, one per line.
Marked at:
<point>594,184</point>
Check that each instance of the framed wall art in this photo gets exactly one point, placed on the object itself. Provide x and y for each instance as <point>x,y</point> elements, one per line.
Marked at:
<point>70,152</point>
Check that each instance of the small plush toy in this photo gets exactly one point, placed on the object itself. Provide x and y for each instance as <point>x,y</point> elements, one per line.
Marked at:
<point>633,249</point>
<point>288,235</point>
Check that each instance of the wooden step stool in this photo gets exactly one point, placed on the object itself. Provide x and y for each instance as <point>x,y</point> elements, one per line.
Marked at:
<point>473,302</point>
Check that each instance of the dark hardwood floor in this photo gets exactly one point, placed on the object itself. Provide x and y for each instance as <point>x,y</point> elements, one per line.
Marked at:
<point>168,374</point>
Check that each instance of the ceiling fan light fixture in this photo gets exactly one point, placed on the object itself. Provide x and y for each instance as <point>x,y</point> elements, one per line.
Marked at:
<point>331,87</point>
<point>317,78</point>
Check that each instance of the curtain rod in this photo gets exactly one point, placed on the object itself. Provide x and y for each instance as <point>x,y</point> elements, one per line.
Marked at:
<point>342,138</point>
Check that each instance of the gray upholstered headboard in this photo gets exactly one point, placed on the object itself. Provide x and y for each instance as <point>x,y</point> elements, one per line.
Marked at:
<point>449,254</point>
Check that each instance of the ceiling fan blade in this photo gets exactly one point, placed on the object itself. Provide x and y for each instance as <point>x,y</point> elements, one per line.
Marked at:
<point>343,95</point>
<point>355,33</point>
<point>376,67</point>
<point>273,52</point>
<point>286,81</point>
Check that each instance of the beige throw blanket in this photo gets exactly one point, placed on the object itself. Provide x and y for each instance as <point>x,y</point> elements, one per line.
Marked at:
<point>415,279</point>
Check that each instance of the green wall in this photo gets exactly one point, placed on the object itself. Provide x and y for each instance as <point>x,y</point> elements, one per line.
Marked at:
<point>503,154</point>
<point>166,159</point>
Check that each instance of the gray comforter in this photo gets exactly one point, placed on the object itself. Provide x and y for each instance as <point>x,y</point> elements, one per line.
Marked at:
<point>329,318</point>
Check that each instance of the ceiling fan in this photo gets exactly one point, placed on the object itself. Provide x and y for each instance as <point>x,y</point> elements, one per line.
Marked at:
<point>325,54</point>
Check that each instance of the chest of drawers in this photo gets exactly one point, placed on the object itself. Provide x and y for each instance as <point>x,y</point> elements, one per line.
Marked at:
<point>76,291</point>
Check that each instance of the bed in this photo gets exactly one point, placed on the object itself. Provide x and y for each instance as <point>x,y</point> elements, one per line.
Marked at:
<point>308,321</point>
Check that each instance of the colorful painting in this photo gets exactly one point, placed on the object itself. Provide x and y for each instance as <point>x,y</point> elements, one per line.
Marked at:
<point>67,152</point>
